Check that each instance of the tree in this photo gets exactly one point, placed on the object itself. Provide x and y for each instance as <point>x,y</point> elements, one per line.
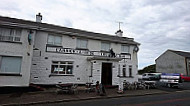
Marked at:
<point>148,69</point>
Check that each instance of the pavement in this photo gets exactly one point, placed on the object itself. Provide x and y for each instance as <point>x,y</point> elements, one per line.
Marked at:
<point>51,96</point>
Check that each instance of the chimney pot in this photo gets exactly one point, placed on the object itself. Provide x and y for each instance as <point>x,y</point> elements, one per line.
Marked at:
<point>39,17</point>
<point>119,33</point>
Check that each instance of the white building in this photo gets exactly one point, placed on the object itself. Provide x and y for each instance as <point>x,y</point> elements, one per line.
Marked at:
<point>172,61</point>
<point>40,53</point>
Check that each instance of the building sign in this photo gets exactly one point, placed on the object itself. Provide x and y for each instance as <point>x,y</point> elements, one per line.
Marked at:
<point>84,52</point>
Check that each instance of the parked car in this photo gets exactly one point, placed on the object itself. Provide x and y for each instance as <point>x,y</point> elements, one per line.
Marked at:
<point>170,79</point>
<point>185,78</point>
<point>151,76</point>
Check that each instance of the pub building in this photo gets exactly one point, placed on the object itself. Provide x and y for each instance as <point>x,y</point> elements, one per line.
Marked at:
<point>46,54</point>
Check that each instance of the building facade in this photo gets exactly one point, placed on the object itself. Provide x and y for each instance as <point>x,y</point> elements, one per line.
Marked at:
<point>173,62</point>
<point>49,54</point>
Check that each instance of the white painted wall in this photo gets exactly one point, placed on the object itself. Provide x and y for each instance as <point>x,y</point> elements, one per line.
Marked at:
<point>41,68</point>
<point>18,49</point>
<point>170,62</point>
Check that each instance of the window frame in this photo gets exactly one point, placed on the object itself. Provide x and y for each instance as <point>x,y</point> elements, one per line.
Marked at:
<point>53,42</point>
<point>10,34</point>
<point>130,71</point>
<point>122,48</point>
<point>78,44</point>
<point>124,70</point>
<point>11,73</point>
<point>60,65</point>
<point>103,49</point>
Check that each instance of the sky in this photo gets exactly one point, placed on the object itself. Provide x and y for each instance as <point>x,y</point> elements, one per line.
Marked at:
<point>157,25</point>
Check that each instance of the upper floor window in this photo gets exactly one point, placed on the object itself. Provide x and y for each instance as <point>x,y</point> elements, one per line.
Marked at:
<point>10,64</point>
<point>82,43</point>
<point>62,67</point>
<point>124,49</point>
<point>10,34</point>
<point>54,40</point>
<point>105,46</point>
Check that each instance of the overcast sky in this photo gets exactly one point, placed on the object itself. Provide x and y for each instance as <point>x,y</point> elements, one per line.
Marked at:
<point>157,24</point>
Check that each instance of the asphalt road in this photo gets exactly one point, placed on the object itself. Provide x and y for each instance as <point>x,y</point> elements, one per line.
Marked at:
<point>183,86</point>
<point>176,96</point>
<point>180,98</point>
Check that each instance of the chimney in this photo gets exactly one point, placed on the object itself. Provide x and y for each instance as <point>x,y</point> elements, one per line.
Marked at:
<point>39,18</point>
<point>119,33</point>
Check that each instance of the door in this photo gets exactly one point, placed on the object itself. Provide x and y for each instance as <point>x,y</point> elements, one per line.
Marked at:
<point>106,74</point>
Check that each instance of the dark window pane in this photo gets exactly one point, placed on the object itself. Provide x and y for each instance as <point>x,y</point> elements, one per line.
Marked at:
<point>69,70</point>
<point>63,69</point>
<point>54,69</point>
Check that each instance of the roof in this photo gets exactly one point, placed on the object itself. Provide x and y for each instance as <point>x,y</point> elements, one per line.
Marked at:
<point>181,53</point>
<point>7,21</point>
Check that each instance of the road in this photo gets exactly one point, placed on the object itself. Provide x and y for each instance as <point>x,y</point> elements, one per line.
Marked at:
<point>183,86</point>
<point>176,96</point>
<point>181,98</point>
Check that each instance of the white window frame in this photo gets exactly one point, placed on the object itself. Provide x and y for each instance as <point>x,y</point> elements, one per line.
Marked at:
<point>10,34</point>
<point>82,44</point>
<point>54,38</point>
<point>105,46</point>
<point>4,68</point>
<point>125,48</point>
<point>60,70</point>
<point>124,71</point>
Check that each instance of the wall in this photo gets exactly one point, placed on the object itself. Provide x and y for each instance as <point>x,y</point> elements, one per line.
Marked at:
<point>21,49</point>
<point>42,60</point>
<point>170,62</point>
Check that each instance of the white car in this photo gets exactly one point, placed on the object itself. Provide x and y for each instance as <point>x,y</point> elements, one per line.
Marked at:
<point>151,76</point>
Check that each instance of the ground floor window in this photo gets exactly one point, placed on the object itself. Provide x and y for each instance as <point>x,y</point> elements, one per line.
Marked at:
<point>130,71</point>
<point>62,67</point>
<point>10,64</point>
<point>124,70</point>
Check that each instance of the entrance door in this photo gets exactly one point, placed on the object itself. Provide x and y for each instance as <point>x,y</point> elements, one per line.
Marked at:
<point>106,73</point>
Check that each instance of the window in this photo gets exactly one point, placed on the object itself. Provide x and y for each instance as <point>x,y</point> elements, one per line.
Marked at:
<point>124,70</point>
<point>10,64</point>
<point>119,70</point>
<point>62,67</point>
<point>81,43</point>
<point>7,34</point>
<point>130,71</point>
<point>54,40</point>
<point>124,49</point>
<point>105,46</point>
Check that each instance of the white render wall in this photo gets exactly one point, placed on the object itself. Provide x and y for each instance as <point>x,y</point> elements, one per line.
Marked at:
<point>170,62</point>
<point>41,64</point>
<point>22,50</point>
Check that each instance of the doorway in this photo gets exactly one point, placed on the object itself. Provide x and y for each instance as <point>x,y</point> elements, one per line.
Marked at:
<point>106,74</point>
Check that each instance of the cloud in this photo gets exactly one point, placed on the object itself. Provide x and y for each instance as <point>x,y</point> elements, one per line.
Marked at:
<point>157,24</point>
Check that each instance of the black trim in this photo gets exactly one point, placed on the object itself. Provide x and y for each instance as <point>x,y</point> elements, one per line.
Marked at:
<point>12,42</point>
<point>125,76</point>
<point>10,74</point>
<point>82,49</point>
<point>60,75</point>
<point>126,53</point>
<point>52,45</point>
<point>105,51</point>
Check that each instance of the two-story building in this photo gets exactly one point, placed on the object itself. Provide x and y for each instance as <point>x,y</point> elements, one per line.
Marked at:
<point>172,61</point>
<point>42,53</point>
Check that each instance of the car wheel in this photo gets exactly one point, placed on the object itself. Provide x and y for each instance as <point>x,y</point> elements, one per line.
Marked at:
<point>183,80</point>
